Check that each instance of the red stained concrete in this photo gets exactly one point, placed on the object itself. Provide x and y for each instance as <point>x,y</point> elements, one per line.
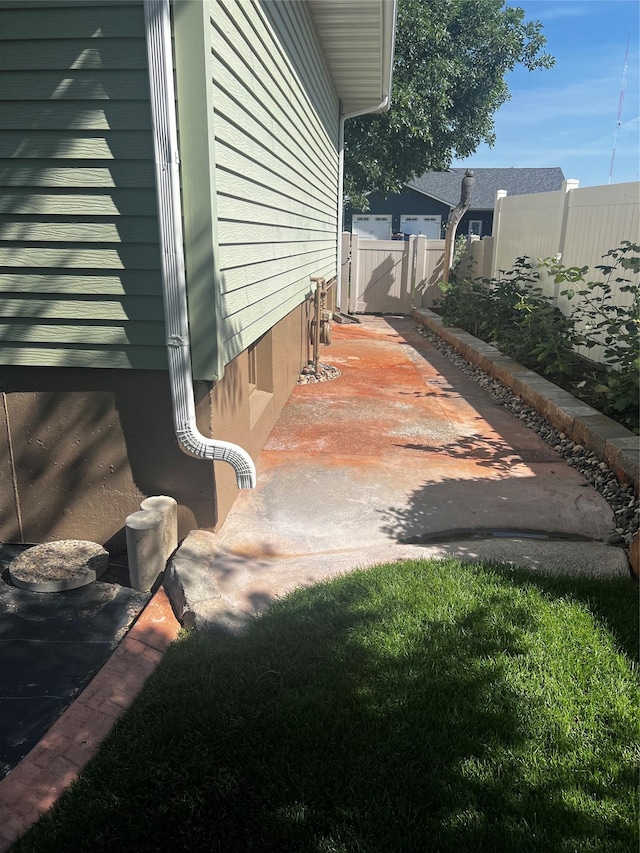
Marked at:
<point>396,394</point>
<point>402,444</point>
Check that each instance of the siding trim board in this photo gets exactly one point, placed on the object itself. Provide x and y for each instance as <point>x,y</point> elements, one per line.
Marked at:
<point>191,24</point>
<point>58,22</point>
<point>79,145</point>
<point>71,282</point>
<point>57,332</point>
<point>71,54</point>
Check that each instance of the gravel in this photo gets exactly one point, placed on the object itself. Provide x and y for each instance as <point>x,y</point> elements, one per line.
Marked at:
<point>324,373</point>
<point>619,496</point>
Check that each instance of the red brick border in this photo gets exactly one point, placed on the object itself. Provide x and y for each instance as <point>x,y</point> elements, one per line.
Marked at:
<point>35,784</point>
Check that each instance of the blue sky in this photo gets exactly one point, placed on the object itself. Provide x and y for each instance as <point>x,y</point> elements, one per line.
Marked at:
<point>567,116</point>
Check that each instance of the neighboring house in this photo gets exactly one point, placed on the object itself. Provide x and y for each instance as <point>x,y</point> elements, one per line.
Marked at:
<point>425,203</point>
<point>153,245</point>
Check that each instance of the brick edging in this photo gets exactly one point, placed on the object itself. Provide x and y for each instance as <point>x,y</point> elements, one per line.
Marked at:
<point>618,447</point>
<point>34,785</point>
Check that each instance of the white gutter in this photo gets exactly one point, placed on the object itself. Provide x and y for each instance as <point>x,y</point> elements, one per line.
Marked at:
<point>167,169</point>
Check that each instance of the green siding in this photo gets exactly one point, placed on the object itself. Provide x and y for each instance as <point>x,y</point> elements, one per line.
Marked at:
<point>276,158</point>
<point>80,280</point>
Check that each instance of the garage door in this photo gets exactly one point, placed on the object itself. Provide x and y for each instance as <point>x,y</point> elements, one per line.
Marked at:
<point>372,227</point>
<point>428,225</point>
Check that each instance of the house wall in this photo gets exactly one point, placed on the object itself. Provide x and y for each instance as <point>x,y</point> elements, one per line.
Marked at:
<point>409,202</point>
<point>485,216</point>
<point>86,428</point>
<point>79,258</point>
<point>244,408</point>
<point>276,164</point>
<point>78,452</point>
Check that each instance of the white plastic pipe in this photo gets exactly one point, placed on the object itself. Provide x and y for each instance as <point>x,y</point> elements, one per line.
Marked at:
<point>167,169</point>
<point>382,107</point>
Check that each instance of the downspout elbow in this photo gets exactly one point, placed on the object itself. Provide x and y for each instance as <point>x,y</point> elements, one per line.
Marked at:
<point>193,443</point>
<point>190,439</point>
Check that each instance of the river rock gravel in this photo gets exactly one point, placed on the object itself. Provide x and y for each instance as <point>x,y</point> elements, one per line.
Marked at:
<point>325,372</point>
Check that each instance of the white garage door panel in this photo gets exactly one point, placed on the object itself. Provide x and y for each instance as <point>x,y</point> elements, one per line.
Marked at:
<point>427,225</point>
<point>372,227</point>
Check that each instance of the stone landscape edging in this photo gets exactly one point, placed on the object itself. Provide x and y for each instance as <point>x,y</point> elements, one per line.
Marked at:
<point>618,447</point>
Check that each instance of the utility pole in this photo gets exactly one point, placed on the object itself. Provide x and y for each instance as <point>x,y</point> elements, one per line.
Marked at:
<point>620,105</point>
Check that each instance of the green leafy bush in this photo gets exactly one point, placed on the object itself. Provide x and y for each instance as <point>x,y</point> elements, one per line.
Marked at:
<point>613,327</point>
<point>513,313</point>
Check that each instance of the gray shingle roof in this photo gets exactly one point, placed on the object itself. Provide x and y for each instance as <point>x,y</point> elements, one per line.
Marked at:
<point>445,186</point>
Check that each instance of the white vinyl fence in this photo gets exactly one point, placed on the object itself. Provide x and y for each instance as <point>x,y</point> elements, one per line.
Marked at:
<point>576,226</point>
<point>390,276</point>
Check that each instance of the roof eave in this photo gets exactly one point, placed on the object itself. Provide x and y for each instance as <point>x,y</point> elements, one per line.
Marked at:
<point>358,37</point>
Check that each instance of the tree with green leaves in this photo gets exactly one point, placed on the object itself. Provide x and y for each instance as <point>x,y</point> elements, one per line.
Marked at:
<point>451,58</point>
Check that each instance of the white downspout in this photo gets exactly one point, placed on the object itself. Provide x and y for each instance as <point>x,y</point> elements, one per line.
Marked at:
<point>382,107</point>
<point>167,169</point>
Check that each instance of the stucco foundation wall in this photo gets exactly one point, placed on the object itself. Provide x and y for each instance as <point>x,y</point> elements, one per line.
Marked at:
<point>246,415</point>
<point>80,448</point>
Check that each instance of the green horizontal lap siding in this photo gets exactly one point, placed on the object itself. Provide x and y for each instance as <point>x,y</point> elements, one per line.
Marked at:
<point>276,156</point>
<point>80,280</point>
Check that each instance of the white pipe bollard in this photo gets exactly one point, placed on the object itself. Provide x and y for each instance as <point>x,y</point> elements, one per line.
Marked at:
<point>145,548</point>
<point>168,508</point>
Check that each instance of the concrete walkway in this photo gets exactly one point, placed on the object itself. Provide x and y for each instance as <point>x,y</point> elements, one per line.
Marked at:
<point>401,456</point>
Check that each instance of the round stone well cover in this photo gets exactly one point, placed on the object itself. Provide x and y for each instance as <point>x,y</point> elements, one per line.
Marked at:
<point>56,566</point>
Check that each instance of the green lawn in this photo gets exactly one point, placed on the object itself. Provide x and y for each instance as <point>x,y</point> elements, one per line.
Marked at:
<point>417,706</point>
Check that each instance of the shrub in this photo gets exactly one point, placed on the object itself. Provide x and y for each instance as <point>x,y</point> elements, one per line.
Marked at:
<point>613,327</point>
<point>513,313</point>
